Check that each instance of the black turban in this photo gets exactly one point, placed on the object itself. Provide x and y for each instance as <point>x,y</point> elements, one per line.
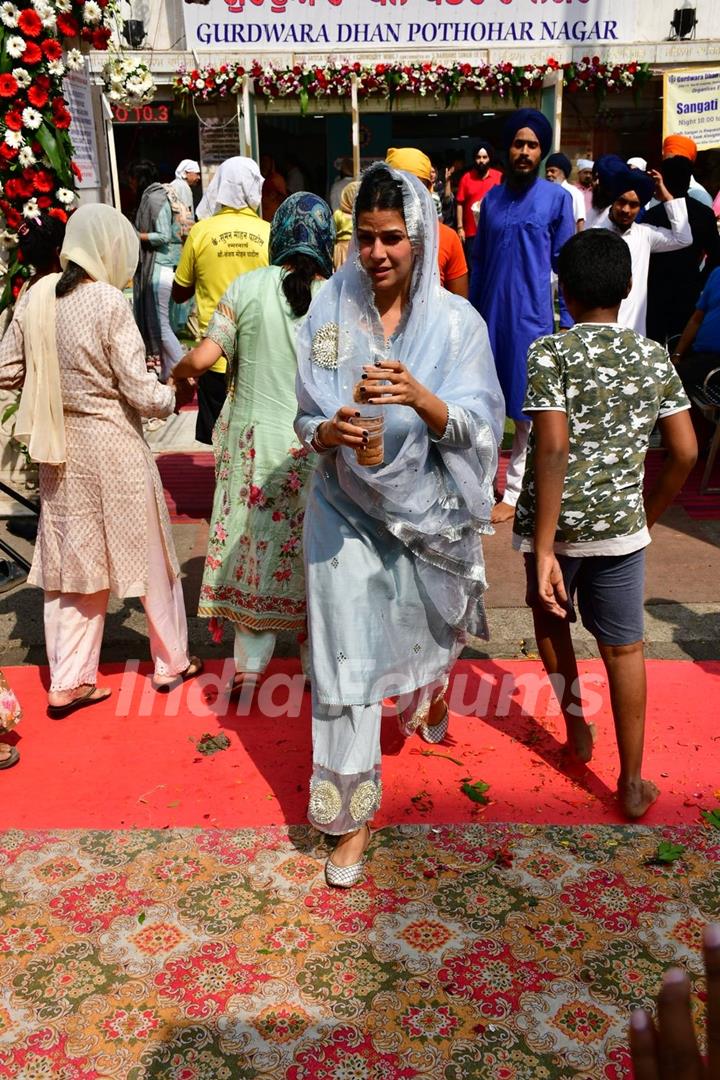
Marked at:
<point>533,119</point>
<point>483,144</point>
<point>559,161</point>
<point>677,174</point>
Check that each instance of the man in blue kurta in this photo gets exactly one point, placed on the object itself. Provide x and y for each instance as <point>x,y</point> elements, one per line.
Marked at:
<point>523,224</point>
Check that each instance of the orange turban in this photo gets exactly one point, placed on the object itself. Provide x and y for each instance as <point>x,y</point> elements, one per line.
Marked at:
<point>679,146</point>
<point>410,160</point>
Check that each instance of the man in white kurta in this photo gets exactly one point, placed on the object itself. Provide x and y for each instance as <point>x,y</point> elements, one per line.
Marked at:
<point>631,191</point>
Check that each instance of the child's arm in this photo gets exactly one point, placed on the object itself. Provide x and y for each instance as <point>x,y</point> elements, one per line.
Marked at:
<point>550,429</point>
<point>679,440</point>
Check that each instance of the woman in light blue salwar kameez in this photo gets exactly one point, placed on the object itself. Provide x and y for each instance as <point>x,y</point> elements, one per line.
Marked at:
<point>394,564</point>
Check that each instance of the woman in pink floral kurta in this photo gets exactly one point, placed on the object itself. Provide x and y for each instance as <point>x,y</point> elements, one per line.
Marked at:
<point>104,526</point>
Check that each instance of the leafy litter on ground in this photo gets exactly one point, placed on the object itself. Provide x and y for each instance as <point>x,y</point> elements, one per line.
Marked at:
<point>666,854</point>
<point>210,744</point>
<point>475,790</point>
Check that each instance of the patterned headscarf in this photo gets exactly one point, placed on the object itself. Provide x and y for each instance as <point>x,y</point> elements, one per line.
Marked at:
<point>303,223</point>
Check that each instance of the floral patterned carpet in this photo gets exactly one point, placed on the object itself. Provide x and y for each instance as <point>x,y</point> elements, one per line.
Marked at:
<point>507,952</point>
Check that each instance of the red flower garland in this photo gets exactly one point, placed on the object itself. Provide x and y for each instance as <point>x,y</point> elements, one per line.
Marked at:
<point>36,169</point>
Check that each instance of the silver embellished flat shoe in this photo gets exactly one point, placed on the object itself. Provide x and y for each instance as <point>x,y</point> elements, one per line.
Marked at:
<point>435,733</point>
<point>344,877</point>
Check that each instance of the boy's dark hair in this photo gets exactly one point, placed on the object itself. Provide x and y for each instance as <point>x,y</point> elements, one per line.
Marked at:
<point>677,174</point>
<point>595,268</point>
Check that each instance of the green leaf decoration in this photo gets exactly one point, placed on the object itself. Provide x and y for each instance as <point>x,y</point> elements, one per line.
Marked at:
<point>11,409</point>
<point>476,791</point>
<point>47,139</point>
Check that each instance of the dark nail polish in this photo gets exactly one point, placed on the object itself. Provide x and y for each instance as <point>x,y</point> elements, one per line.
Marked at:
<point>366,434</point>
<point>356,414</point>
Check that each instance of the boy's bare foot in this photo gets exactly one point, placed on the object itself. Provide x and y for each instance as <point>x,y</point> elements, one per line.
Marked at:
<point>637,796</point>
<point>502,512</point>
<point>580,740</point>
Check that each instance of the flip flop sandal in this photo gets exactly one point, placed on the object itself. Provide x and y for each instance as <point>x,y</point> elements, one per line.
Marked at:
<point>57,712</point>
<point>10,761</point>
<point>195,663</point>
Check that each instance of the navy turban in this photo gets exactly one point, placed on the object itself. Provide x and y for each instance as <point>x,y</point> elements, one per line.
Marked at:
<point>533,119</point>
<point>631,180</point>
<point>607,168</point>
<point>560,161</point>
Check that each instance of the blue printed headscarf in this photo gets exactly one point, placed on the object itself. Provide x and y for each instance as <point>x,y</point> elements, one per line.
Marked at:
<point>303,223</point>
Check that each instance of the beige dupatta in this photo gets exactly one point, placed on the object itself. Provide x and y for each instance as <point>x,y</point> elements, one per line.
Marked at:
<point>39,422</point>
<point>104,243</point>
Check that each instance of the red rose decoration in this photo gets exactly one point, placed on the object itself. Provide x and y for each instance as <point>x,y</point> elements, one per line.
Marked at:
<point>44,202</point>
<point>42,81</point>
<point>10,191</point>
<point>56,212</point>
<point>8,86</point>
<point>30,23</point>
<point>24,188</point>
<point>68,26</point>
<point>12,218</point>
<point>37,96</point>
<point>13,120</point>
<point>62,120</point>
<point>52,49</point>
<point>33,54</point>
<point>9,153</point>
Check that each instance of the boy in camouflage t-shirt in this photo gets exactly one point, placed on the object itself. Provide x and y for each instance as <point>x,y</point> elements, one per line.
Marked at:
<point>595,393</point>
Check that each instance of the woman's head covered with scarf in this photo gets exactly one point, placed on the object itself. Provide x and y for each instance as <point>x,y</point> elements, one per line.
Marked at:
<point>237,184</point>
<point>303,224</point>
<point>103,242</point>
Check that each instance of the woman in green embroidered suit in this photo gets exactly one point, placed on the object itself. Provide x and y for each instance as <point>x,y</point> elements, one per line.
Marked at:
<point>254,567</point>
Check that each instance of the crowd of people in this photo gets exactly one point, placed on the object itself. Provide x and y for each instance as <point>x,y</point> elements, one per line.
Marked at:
<point>356,400</point>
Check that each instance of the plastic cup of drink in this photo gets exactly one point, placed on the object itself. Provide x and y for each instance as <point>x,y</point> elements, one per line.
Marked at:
<point>373,453</point>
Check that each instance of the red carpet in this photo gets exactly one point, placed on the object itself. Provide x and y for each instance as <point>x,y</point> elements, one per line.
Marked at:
<point>188,479</point>
<point>132,762</point>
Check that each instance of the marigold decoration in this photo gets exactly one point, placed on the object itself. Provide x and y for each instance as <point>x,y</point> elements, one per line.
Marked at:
<point>442,82</point>
<point>128,81</point>
<point>38,44</point>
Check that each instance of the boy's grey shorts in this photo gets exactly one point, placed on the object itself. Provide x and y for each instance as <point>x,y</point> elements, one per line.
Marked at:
<point>610,592</point>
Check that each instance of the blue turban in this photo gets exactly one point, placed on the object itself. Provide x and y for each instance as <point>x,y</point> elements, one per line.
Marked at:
<point>560,161</point>
<point>533,119</point>
<point>607,167</point>
<point>303,223</point>
<point>627,179</point>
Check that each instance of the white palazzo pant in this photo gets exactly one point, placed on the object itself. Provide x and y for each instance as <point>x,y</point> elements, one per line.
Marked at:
<point>171,351</point>
<point>516,465</point>
<point>345,788</point>
<point>74,622</point>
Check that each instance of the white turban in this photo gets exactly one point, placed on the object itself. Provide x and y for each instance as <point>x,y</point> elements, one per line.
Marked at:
<point>584,163</point>
<point>637,163</point>
<point>186,165</point>
<point>237,183</point>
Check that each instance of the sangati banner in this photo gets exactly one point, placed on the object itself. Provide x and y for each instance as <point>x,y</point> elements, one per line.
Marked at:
<point>691,105</point>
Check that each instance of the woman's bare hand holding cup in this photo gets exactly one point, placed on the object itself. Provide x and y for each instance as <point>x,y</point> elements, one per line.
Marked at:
<point>339,431</point>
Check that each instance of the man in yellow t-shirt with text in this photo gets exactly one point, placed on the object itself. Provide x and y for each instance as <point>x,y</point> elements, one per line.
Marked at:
<point>229,239</point>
